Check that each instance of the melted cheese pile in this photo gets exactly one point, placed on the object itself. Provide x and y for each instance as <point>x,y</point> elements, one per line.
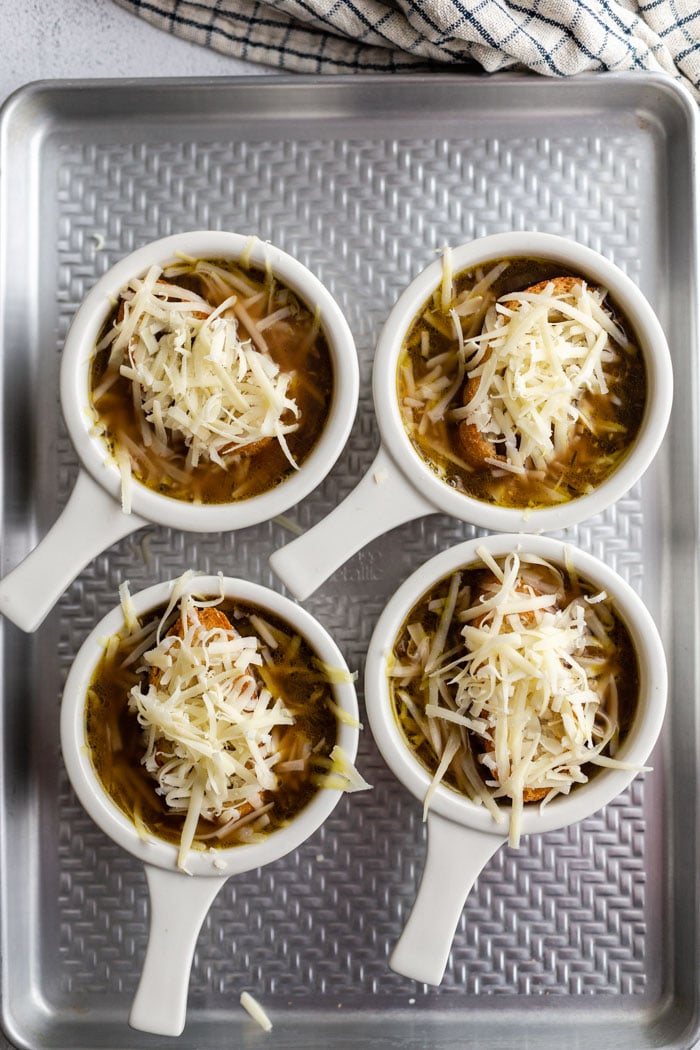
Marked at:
<point>531,684</point>
<point>208,724</point>
<point>194,377</point>
<point>538,355</point>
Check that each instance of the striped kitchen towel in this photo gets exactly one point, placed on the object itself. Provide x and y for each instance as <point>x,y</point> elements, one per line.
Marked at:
<point>552,37</point>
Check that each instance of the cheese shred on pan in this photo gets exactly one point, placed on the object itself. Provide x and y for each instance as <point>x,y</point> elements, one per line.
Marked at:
<point>256,1011</point>
<point>517,692</point>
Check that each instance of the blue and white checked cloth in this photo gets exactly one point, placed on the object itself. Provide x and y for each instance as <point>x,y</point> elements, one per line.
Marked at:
<point>554,37</point>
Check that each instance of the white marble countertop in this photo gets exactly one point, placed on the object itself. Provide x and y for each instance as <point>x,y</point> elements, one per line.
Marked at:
<point>58,39</point>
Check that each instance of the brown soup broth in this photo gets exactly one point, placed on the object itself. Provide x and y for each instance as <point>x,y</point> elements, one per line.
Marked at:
<point>590,458</point>
<point>114,737</point>
<point>296,344</point>
<point>622,663</point>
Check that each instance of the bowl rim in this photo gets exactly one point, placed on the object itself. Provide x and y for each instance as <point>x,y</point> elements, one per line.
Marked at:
<point>642,319</point>
<point>585,799</point>
<point>77,354</point>
<point>220,862</point>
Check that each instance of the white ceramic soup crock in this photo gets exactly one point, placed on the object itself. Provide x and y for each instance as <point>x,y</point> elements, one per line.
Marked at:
<point>400,486</point>
<point>462,837</point>
<point>179,901</point>
<point>92,519</point>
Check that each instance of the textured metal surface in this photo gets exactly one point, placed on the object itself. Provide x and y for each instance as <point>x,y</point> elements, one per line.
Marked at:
<point>578,925</point>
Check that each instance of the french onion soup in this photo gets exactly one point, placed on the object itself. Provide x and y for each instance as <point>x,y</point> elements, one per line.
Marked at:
<point>211,381</point>
<point>521,385</point>
<point>513,680</point>
<point>211,723</point>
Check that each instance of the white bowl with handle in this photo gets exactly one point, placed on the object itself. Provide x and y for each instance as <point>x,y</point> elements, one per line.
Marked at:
<point>180,901</point>
<point>400,486</point>
<point>463,836</point>
<point>93,520</point>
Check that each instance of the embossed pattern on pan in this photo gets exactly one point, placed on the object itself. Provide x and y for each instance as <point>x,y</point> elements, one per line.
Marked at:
<point>594,928</point>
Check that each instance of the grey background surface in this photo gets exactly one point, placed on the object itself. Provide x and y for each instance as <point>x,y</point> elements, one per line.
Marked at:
<point>95,38</point>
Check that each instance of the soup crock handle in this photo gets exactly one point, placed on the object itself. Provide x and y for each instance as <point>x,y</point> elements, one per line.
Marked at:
<point>90,522</point>
<point>382,499</point>
<point>179,905</point>
<point>456,857</point>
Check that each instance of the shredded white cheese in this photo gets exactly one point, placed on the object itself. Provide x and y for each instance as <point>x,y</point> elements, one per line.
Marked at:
<point>131,620</point>
<point>537,357</point>
<point>208,724</point>
<point>447,277</point>
<point>253,1007</point>
<point>289,524</point>
<point>214,727</point>
<point>423,399</point>
<point>342,774</point>
<point>195,377</point>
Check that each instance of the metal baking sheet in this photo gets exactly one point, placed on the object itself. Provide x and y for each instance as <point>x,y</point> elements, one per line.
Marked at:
<point>584,937</point>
